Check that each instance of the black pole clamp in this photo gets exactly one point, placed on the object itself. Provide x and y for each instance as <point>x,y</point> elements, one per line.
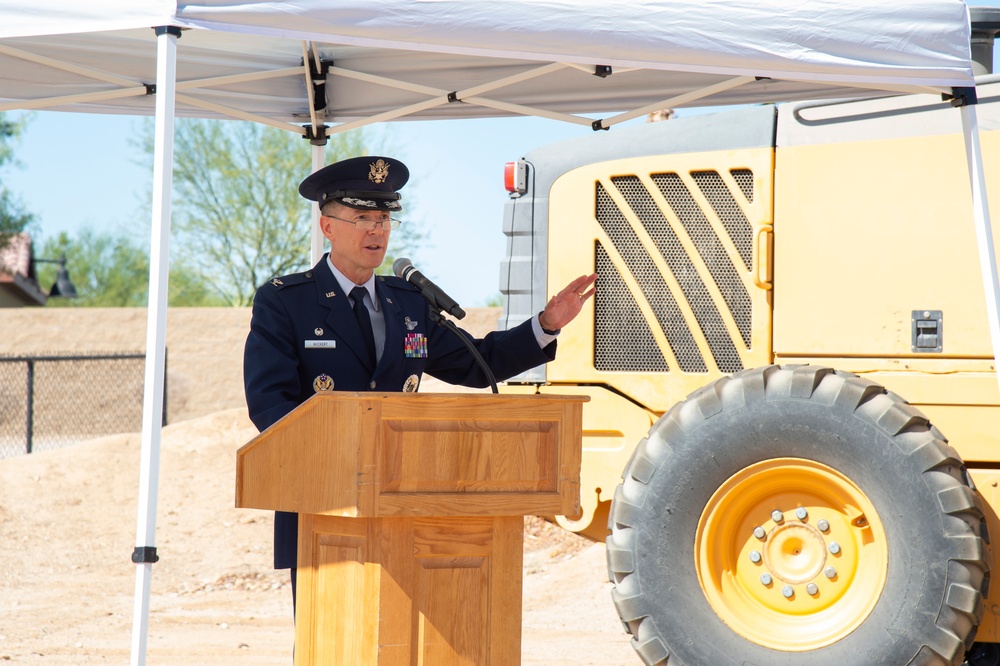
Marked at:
<point>961,96</point>
<point>145,555</point>
<point>317,138</point>
<point>318,77</point>
<point>167,30</point>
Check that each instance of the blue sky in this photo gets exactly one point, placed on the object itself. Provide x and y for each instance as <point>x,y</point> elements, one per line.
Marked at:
<point>78,169</point>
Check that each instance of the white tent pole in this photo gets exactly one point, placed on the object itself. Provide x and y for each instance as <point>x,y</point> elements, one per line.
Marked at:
<point>984,230</point>
<point>156,332</point>
<point>318,158</point>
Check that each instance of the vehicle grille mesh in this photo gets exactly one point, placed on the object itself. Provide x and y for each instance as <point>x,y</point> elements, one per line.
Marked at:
<point>654,289</point>
<point>728,211</point>
<point>744,178</point>
<point>623,341</point>
<point>713,253</point>
<point>621,333</point>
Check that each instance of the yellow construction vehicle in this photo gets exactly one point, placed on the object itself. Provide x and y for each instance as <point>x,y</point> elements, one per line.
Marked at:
<point>792,444</point>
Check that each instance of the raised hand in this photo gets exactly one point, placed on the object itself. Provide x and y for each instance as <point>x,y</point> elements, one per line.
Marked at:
<point>566,305</point>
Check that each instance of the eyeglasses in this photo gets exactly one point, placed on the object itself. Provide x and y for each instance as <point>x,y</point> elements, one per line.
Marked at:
<point>370,225</point>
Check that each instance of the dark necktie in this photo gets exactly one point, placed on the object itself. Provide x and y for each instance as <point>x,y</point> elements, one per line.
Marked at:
<point>364,321</point>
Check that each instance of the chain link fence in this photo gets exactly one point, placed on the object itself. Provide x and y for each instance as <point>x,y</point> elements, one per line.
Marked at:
<point>47,402</point>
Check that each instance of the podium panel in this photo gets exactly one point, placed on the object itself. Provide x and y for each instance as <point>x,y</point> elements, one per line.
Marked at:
<point>410,590</point>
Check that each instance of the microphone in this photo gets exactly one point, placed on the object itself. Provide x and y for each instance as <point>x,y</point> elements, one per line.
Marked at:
<point>403,268</point>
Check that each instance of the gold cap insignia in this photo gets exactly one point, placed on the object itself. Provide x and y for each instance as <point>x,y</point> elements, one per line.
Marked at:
<point>323,383</point>
<point>379,171</point>
<point>411,384</point>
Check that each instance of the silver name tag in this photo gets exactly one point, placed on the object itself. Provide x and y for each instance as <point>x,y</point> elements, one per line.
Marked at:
<point>321,344</point>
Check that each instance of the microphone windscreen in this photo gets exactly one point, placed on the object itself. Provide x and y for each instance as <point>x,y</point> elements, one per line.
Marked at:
<point>400,266</point>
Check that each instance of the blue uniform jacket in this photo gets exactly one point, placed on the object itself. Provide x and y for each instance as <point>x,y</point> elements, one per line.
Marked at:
<point>303,327</point>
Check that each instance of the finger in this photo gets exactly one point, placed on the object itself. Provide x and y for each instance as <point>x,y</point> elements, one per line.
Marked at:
<point>576,288</point>
<point>581,283</point>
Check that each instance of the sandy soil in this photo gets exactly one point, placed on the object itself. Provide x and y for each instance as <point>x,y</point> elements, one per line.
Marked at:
<point>68,516</point>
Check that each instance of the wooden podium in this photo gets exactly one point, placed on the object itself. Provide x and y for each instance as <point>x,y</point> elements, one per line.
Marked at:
<point>410,526</point>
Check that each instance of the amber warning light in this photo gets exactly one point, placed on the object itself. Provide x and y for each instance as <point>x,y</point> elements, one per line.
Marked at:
<point>515,177</point>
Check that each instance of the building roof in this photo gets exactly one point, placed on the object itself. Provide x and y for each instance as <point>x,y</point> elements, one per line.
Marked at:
<point>18,283</point>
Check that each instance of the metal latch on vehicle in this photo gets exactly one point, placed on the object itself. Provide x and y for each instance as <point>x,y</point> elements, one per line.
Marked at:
<point>927,331</point>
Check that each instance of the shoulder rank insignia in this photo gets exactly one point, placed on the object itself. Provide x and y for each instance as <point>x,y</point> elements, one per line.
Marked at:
<point>277,282</point>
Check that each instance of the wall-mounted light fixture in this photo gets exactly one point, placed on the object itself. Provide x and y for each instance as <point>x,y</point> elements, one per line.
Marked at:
<point>63,286</point>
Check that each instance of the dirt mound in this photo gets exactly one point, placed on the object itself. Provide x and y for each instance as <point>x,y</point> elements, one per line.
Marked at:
<point>68,517</point>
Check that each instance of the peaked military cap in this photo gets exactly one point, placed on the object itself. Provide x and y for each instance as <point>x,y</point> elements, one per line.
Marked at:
<point>364,183</point>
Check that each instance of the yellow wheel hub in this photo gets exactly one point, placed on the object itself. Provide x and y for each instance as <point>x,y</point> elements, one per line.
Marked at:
<point>791,554</point>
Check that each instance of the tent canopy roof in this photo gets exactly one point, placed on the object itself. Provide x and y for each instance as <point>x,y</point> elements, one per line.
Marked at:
<point>388,59</point>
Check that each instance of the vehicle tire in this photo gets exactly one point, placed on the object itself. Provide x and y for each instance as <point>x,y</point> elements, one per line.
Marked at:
<point>797,516</point>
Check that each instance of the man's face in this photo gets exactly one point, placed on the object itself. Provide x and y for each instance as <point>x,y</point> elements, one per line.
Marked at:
<point>355,249</point>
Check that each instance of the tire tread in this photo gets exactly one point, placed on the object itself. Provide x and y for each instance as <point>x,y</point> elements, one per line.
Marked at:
<point>910,431</point>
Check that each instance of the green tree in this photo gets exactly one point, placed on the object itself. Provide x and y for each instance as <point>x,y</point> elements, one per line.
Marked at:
<point>112,270</point>
<point>13,217</point>
<point>494,301</point>
<point>238,217</point>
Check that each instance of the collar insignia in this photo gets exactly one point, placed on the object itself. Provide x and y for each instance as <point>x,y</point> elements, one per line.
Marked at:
<point>379,171</point>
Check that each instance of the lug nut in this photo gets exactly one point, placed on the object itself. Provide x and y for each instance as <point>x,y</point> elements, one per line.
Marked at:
<point>754,556</point>
<point>823,525</point>
<point>759,533</point>
<point>801,513</point>
<point>787,591</point>
<point>830,572</point>
<point>834,547</point>
<point>765,579</point>
<point>812,589</point>
<point>777,516</point>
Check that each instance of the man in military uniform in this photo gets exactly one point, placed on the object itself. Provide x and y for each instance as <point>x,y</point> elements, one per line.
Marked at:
<point>340,327</point>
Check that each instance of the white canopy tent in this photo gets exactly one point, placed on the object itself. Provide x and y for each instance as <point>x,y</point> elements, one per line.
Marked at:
<point>317,67</point>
